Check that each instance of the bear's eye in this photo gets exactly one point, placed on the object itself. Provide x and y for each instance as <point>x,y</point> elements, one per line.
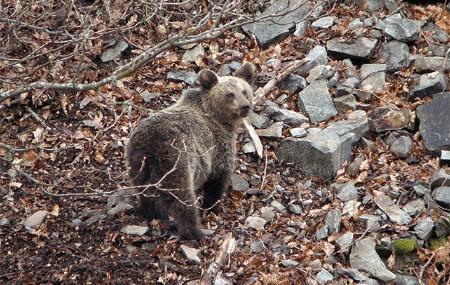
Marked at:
<point>230,95</point>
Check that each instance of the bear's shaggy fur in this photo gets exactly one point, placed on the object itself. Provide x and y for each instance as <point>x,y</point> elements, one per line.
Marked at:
<point>190,147</point>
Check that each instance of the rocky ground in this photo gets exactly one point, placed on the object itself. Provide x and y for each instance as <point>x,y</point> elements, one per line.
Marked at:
<point>353,185</point>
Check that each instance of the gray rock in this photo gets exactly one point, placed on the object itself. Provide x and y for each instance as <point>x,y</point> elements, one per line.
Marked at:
<point>351,208</point>
<point>76,222</point>
<point>315,265</point>
<point>445,156</point>
<point>355,24</point>
<point>35,220</point>
<point>368,144</point>
<point>401,29</point>
<point>322,153</point>
<point>148,97</point>
<point>391,209</point>
<point>364,257</point>
<point>389,118</point>
<point>414,207</point>
<point>320,72</point>
<point>191,254</point>
<point>277,205</point>
<point>373,77</point>
<point>120,207</point>
<point>316,56</point>
<point>369,282</point>
<point>431,63</point>
<point>295,209</point>
<point>354,273</point>
<point>114,51</point>
<point>189,77</point>
<point>288,117</point>
<point>346,191</point>
<point>391,5</point>
<point>395,55</point>
<point>345,241</point>
<point>434,118</point>
<point>94,218</point>
<point>293,83</point>
<point>289,263</point>
<point>301,28</point>
<point>234,65</point>
<point>374,5</point>
<point>257,246</point>
<point>406,280</point>
<point>354,167</point>
<point>424,228</point>
<point>364,96</point>
<point>274,131</point>
<point>333,221</point>
<point>436,33</point>
<point>428,85</point>
<point>439,178</point>
<point>248,148</point>
<point>401,147</point>
<point>134,230</point>
<point>323,276</point>
<point>323,23</point>
<point>267,214</point>
<point>238,183</point>
<point>345,103</point>
<point>438,50</point>
<point>442,196</point>
<point>360,49</point>
<point>282,99</point>
<point>321,233</point>
<point>315,100</point>
<point>351,71</point>
<point>258,121</point>
<point>224,70</point>
<point>372,222</point>
<point>298,132</point>
<point>254,222</point>
<point>290,13</point>
<point>421,190</point>
<point>192,54</point>
<point>4,221</point>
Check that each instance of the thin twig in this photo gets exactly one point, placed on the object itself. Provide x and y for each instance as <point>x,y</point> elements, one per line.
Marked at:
<point>264,174</point>
<point>422,269</point>
<point>38,119</point>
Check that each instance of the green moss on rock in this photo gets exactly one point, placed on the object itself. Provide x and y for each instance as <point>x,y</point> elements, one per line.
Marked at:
<point>404,246</point>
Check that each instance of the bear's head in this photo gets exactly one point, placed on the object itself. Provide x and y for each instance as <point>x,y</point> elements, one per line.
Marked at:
<point>228,98</point>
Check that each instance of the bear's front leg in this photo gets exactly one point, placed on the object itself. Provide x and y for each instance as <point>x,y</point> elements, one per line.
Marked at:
<point>214,188</point>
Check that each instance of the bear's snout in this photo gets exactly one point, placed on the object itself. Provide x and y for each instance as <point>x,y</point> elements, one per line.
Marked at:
<point>245,110</point>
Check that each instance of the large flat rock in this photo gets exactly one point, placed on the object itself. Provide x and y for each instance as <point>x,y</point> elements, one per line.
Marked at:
<point>427,85</point>
<point>316,102</point>
<point>360,49</point>
<point>288,14</point>
<point>396,55</point>
<point>401,29</point>
<point>322,153</point>
<point>364,257</point>
<point>435,122</point>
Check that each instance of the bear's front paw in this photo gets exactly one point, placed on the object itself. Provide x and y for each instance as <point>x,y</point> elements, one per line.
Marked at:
<point>190,233</point>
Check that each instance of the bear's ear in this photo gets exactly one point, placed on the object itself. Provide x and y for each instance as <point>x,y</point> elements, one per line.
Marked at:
<point>207,79</point>
<point>247,72</point>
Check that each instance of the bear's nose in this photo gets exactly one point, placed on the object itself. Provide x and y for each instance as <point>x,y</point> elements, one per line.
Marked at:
<point>245,109</point>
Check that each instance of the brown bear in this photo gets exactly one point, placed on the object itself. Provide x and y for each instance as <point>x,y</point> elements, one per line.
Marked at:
<point>189,148</point>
